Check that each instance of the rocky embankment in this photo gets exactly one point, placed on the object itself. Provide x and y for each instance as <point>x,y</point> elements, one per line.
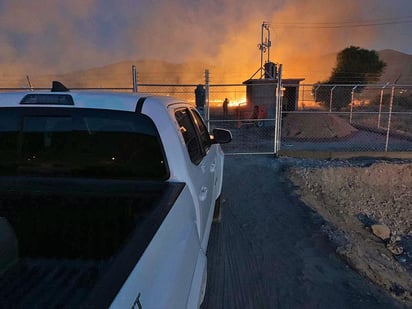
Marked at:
<point>368,214</point>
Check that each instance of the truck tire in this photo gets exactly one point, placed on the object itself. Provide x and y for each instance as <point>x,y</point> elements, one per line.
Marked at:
<point>217,214</point>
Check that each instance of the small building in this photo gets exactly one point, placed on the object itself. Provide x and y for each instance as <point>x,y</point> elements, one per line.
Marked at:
<point>262,93</point>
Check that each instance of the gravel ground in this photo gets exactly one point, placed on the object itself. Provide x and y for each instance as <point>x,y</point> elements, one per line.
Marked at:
<point>355,195</point>
<point>270,250</point>
<point>286,220</point>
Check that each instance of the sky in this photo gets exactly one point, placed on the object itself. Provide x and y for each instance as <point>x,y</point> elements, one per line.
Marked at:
<point>55,36</point>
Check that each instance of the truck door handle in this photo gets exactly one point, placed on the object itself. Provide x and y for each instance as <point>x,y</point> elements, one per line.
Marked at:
<point>203,193</point>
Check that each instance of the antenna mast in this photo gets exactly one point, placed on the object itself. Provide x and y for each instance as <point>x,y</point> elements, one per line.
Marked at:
<point>264,46</point>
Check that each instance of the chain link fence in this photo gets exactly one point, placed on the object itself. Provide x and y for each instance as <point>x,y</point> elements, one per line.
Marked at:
<point>350,118</point>
<point>315,117</point>
<point>183,92</point>
<point>322,118</point>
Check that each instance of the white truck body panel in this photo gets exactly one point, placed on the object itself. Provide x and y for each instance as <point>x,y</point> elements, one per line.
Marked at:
<point>173,269</point>
<point>175,243</point>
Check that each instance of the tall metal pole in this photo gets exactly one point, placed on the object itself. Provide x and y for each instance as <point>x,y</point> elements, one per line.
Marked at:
<point>262,50</point>
<point>264,45</point>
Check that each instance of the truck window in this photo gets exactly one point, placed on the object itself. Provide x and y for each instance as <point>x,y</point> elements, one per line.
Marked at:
<point>83,143</point>
<point>188,131</point>
<point>203,132</point>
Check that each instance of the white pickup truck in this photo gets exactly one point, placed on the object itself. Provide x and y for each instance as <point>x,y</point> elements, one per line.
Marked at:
<point>106,200</point>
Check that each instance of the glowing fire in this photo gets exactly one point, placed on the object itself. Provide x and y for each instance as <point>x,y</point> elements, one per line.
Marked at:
<point>234,103</point>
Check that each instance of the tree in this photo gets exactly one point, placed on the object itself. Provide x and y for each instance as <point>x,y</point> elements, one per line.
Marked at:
<point>354,66</point>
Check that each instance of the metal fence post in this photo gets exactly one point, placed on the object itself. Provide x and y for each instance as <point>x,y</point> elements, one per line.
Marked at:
<point>29,83</point>
<point>316,92</point>
<point>134,77</point>
<point>301,96</point>
<point>389,118</point>
<point>330,99</point>
<point>351,103</point>
<point>207,88</point>
<point>278,108</point>
<point>380,105</point>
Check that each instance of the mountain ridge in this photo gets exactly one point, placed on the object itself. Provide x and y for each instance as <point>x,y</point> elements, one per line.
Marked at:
<point>119,74</point>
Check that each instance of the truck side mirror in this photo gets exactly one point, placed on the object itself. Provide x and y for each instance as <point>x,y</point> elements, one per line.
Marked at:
<point>221,136</point>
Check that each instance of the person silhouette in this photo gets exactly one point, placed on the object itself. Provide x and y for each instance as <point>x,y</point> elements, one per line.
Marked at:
<point>225,108</point>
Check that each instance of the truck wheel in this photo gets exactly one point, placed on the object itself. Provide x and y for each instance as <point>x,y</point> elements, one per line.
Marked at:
<point>217,214</point>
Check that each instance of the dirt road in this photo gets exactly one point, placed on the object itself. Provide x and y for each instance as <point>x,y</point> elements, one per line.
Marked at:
<point>269,250</point>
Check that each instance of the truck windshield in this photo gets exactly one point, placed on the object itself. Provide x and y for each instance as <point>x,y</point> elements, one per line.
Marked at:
<point>85,143</point>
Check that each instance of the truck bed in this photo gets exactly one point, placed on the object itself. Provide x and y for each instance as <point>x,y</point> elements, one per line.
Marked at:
<point>77,240</point>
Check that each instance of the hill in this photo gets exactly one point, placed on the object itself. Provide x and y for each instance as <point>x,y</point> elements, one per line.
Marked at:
<point>155,71</point>
<point>398,65</point>
<point>119,75</point>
